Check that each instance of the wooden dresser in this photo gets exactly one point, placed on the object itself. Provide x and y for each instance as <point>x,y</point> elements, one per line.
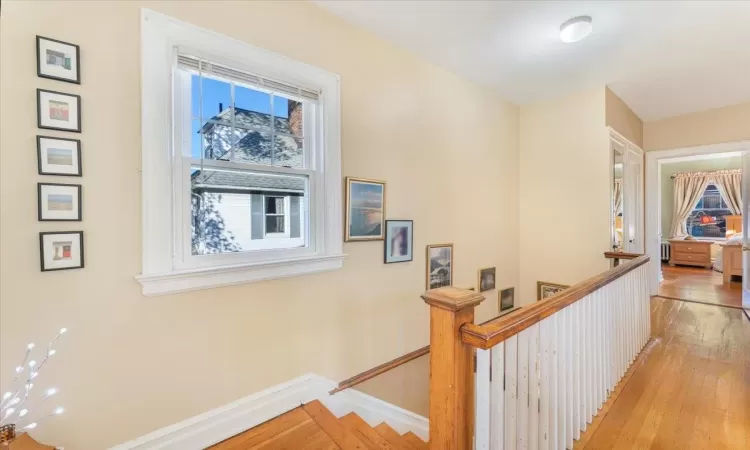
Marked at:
<point>690,253</point>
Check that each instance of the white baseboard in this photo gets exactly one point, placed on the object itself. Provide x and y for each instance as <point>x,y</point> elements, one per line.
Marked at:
<point>214,426</point>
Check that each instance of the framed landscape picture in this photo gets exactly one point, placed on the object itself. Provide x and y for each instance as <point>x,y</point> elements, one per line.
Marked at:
<point>546,290</point>
<point>439,265</point>
<point>507,299</point>
<point>61,250</point>
<point>58,60</point>
<point>486,281</point>
<point>399,240</point>
<point>365,210</point>
<point>58,156</point>
<point>58,111</point>
<point>59,202</point>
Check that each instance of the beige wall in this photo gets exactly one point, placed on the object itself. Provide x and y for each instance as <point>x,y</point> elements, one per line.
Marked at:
<point>565,176</point>
<point>728,124</point>
<point>620,117</point>
<point>447,148</point>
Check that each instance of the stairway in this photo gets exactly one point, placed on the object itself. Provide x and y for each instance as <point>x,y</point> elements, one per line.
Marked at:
<point>313,426</point>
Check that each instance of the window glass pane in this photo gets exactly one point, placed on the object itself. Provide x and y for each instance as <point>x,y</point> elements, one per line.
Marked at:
<point>274,205</point>
<point>287,116</point>
<point>255,103</point>
<point>197,144</point>
<point>252,146</point>
<point>218,140</point>
<point>228,212</point>
<point>288,152</point>
<point>274,224</point>
<point>216,100</point>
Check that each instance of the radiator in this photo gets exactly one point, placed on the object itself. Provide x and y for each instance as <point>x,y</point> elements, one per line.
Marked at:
<point>666,251</point>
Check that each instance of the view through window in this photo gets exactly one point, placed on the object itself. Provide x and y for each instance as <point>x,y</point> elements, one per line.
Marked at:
<point>707,219</point>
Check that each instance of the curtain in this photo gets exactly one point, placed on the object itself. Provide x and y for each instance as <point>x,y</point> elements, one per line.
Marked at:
<point>729,183</point>
<point>618,196</point>
<point>688,190</point>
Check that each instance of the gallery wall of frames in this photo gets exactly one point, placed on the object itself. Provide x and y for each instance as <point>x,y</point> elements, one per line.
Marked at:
<point>59,154</point>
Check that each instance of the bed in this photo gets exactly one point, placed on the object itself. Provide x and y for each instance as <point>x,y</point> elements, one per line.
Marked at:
<point>731,260</point>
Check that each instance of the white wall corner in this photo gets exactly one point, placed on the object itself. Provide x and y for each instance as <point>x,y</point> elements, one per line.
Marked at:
<point>214,426</point>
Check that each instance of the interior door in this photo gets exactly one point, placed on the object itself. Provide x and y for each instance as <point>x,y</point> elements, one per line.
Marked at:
<point>633,201</point>
<point>746,230</point>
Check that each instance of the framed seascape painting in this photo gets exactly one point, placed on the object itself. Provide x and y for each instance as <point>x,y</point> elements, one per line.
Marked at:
<point>61,250</point>
<point>546,290</point>
<point>58,60</point>
<point>439,265</point>
<point>365,210</point>
<point>507,299</point>
<point>58,111</point>
<point>486,281</point>
<point>58,156</point>
<point>59,202</point>
<point>399,241</point>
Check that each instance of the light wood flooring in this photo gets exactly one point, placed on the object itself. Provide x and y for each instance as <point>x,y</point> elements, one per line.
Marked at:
<point>689,388</point>
<point>699,285</point>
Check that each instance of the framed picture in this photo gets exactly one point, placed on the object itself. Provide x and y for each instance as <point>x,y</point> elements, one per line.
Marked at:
<point>399,241</point>
<point>61,250</point>
<point>439,265</point>
<point>365,210</point>
<point>486,281</point>
<point>546,290</point>
<point>59,201</point>
<point>58,60</point>
<point>506,299</point>
<point>58,111</point>
<point>58,156</point>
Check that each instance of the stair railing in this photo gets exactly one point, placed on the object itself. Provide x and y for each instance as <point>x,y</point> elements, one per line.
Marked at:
<point>543,371</point>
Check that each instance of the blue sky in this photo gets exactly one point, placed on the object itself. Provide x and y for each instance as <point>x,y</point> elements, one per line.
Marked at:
<point>217,92</point>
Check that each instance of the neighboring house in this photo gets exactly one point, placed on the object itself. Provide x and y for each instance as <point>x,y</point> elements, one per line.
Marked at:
<point>241,211</point>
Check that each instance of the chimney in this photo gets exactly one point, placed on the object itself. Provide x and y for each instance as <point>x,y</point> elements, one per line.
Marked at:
<point>294,109</point>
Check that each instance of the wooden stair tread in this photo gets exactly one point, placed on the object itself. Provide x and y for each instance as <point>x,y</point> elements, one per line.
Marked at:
<point>336,430</point>
<point>264,431</point>
<point>366,433</point>
<point>415,441</point>
<point>393,437</point>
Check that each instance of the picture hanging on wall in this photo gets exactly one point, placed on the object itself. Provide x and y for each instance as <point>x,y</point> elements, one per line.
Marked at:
<point>439,265</point>
<point>486,281</point>
<point>58,156</point>
<point>546,290</point>
<point>365,209</point>
<point>58,60</point>
<point>61,250</point>
<point>399,239</point>
<point>59,202</point>
<point>58,111</point>
<point>507,298</point>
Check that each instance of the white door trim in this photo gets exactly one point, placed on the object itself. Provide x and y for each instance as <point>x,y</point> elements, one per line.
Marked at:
<point>654,161</point>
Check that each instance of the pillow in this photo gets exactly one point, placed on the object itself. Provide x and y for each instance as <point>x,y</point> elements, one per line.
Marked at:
<point>735,239</point>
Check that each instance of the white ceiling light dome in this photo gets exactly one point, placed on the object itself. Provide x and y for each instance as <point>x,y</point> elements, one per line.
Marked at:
<point>575,29</point>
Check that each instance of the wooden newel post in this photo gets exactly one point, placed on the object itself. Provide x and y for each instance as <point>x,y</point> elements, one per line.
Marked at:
<point>451,368</point>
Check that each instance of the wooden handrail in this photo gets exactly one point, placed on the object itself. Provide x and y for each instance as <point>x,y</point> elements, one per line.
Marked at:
<point>385,367</point>
<point>621,255</point>
<point>491,333</point>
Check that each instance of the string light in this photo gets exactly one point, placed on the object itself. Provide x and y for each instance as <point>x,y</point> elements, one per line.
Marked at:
<point>50,392</point>
<point>30,426</point>
<point>7,395</point>
<point>23,412</point>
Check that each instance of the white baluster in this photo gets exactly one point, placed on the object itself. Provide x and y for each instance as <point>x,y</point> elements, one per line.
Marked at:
<point>546,386</point>
<point>522,436</point>
<point>482,401</point>
<point>497,393</point>
<point>534,387</point>
<point>511,391</point>
<point>562,376</point>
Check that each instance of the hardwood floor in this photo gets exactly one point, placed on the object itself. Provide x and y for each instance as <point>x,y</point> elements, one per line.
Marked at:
<point>700,285</point>
<point>689,388</point>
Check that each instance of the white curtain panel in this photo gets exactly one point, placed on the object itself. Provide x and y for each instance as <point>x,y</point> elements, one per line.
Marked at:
<point>688,190</point>
<point>618,196</point>
<point>729,183</point>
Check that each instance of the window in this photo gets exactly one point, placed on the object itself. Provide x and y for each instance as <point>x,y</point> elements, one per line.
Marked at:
<point>249,188</point>
<point>707,219</point>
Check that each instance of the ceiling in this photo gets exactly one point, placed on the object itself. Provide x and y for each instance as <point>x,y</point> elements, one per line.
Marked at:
<point>663,58</point>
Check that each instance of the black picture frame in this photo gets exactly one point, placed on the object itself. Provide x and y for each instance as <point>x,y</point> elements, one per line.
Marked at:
<point>39,202</point>
<point>386,237</point>
<point>41,250</point>
<point>39,111</point>
<point>505,293</point>
<point>51,77</point>
<point>59,174</point>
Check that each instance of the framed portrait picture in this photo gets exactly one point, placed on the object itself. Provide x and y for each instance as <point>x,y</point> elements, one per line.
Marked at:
<point>486,280</point>
<point>365,210</point>
<point>506,299</point>
<point>399,240</point>
<point>439,265</point>
<point>546,290</point>
<point>61,250</point>
<point>58,156</point>
<point>58,60</point>
<point>59,202</point>
<point>58,111</point>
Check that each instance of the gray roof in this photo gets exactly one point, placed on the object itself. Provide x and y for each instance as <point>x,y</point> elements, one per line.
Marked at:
<point>217,181</point>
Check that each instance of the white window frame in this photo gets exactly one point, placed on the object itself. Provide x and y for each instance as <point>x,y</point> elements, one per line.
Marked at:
<point>712,239</point>
<point>287,218</point>
<point>164,262</point>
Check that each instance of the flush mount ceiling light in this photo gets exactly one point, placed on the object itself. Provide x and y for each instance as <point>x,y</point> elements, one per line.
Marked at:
<point>575,29</point>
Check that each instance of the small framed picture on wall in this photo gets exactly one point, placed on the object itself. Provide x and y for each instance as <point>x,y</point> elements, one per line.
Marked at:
<point>58,156</point>
<point>58,60</point>
<point>61,250</point>
<point>58,111</point>
<point>59,202</point>
<point>399,239</point>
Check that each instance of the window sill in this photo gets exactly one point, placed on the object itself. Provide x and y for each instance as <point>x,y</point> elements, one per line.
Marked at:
<point>195,279</point>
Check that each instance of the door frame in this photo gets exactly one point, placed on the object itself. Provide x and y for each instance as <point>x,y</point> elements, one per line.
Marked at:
<point>654,161</point>
<point>627,147</point>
